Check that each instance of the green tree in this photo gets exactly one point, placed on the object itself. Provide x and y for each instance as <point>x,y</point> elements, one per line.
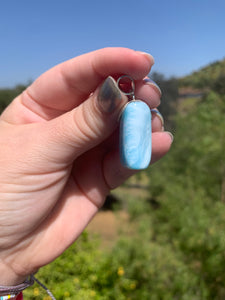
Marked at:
<point>169,88</point>
<point>219,85</point>
<point>7,95</point>
<point>189,187</point>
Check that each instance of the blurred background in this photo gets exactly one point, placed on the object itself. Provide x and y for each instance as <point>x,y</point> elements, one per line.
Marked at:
<point>162,234</point>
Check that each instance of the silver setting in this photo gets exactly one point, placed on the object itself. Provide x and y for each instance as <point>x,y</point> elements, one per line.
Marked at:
<point>127,80</point>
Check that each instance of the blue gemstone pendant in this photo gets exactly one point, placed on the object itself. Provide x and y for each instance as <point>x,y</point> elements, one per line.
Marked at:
<point>136,135</point>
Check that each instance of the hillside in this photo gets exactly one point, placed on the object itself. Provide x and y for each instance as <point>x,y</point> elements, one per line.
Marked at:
<point>205,77</point>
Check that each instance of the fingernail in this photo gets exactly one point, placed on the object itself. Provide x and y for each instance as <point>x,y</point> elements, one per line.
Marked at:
<point>148,56</point>
<point>171,135</point>
<point>109,96</point>
<point>158,114</point>
<point>153,84</point>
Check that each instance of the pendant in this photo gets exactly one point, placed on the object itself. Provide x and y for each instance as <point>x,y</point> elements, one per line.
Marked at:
<point>135,130</point>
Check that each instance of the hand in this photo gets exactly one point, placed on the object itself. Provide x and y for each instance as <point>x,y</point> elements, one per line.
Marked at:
<point>59,155</point>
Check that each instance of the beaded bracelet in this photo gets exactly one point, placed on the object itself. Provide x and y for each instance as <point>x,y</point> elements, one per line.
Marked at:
<point>8,297</point>
<point>12,296</point>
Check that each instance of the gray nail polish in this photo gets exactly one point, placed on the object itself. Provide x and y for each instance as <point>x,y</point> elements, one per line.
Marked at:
<point>153,83</point>
<point>159,115</point>
<point>171,135</point>
<point>109,95</point>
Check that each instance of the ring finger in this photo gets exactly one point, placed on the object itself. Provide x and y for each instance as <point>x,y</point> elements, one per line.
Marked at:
<point>157,120</point>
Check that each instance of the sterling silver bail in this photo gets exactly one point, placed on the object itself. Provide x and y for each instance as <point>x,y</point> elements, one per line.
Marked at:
<point>127,80</point>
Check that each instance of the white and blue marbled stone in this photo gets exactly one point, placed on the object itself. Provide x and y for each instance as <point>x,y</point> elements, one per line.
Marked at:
<point>136,135</point>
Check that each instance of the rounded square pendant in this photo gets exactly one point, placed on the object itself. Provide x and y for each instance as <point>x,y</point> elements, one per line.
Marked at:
<point>136,135</point>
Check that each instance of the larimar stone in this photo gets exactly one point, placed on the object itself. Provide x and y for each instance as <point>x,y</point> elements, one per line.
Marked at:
<point>136,135</point>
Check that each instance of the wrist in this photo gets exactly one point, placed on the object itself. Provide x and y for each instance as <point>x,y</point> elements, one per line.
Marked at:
<point>15,291</point>
<point>8,277</point>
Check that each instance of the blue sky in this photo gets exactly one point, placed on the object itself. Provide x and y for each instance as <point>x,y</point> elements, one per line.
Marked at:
<point>183,36</point>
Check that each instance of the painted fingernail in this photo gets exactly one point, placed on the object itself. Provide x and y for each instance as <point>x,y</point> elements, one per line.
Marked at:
<point>151,82</point>
<point>158,114</point>
<point>148,56</point>
<point>171,135</point>
<point>109,96</point>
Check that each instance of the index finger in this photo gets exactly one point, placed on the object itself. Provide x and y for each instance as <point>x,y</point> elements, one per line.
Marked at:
<point>68,84</point>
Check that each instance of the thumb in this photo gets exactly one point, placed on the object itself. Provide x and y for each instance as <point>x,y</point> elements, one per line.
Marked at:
<point>87,125</point>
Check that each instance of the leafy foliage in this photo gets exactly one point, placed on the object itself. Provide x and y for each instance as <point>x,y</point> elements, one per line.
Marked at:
<point>189,187</point>
<point>169,88</point>
<point>219,84</point>
<point>128,272</point>
<point>7,95</point>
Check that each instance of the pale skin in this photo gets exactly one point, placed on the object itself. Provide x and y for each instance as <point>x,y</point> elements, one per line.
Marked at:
<point>59,157</point>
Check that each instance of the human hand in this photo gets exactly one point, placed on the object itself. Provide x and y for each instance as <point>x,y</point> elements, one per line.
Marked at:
<point>59,155</point>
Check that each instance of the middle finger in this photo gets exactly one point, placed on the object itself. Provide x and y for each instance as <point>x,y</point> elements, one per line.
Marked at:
<point>148,91</point>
